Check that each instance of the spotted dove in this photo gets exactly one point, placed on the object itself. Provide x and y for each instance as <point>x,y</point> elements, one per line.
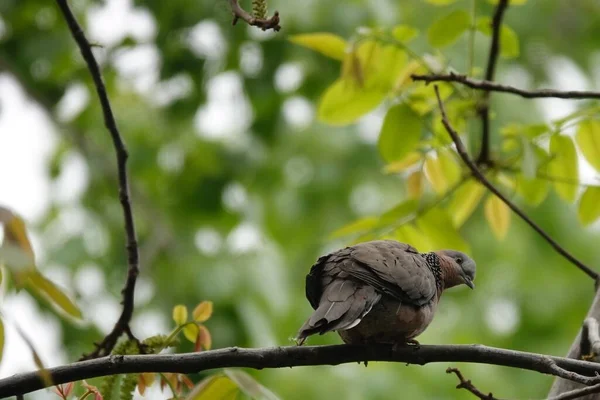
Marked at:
<point>380,291</point>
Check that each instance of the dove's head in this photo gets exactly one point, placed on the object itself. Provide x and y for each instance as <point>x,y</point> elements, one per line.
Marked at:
<point>459,268</point>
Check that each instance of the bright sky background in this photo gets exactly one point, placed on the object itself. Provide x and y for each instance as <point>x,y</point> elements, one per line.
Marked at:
<point>28,137</point>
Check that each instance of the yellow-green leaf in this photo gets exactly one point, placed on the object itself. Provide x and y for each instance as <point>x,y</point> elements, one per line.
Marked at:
<point>344,102</point>
<point>589,206</point>
<point>498,216</point>
<point>448,29</point>
<point>450,166</point>
<point>47,289</point>
<point>358,226</point>
<point>564,166</point>
<point>533,191</point>
<point>404,33</point>
<point>180,314</point>
<point>16,251</point>
<point>588,139</point>
<point>435,174</point>
<point>249,385</point>
<point>215,387</point>
<point>190,331</point>
<point>408,161</point>
<point>414,184</point>
<point>439,230</point>
<point>465,201</point>
<point>400,133</point>
<point>203,311</point>
<point>328,44</point>
<point>509,40</point>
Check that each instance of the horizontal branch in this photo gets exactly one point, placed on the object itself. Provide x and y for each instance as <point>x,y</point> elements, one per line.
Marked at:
<point>462,152</point>
<point>497,87</point>
<point>293,356</point>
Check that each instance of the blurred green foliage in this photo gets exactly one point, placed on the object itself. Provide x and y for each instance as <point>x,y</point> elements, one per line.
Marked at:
<point>238,218</point>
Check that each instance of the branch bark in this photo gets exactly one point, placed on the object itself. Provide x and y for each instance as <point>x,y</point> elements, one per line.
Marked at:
<point>484,107</point>
<point>462,152</point>
<point>468,385</point>
<point>122,325</point>
<point>293,356</point>
<point>497,87</point>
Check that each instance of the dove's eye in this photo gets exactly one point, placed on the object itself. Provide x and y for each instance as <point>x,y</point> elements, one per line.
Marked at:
<point>459,260</point>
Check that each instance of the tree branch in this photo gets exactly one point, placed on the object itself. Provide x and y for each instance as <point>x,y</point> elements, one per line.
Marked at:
<point>590,338</point>
<point>264,24</point>
<point>292,356</point>
<point>467,385</point>
<point>484,108</point>
<point>577,393</point>
<point>462,152</point>
<point>497,87</point>
<point>122,325</point>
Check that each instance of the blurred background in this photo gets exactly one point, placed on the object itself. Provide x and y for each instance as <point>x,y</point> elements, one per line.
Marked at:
<point>236,187</point>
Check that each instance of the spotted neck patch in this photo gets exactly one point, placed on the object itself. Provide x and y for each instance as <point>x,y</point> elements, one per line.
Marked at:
<point>433,262</point>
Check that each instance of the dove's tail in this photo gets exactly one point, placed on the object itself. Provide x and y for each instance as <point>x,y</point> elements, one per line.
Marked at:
<point>342,306</point>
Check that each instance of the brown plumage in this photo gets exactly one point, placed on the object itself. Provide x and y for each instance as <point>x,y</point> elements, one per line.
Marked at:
<point>380,291</point>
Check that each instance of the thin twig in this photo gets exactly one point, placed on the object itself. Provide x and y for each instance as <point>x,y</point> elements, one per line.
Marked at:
<point>122,325</point>
<point>466,384</point>
<point>264,24</point>
<point>577,393</point>
<point>572,376</point>
<point>484,107</point>
<point>497,87</point>
<point>462,152</point>
<point>291,356</point>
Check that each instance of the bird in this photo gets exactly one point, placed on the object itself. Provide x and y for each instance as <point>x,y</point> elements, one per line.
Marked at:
<point>380,291</point>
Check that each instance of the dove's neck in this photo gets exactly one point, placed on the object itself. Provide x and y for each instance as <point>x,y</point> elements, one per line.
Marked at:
<point>434,264</point>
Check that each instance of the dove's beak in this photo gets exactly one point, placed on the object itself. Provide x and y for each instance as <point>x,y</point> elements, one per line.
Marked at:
<point>469,282</point>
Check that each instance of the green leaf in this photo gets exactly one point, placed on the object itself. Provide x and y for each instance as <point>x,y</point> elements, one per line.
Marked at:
<point>328,44</point>
<point>498,216</point>
<point>216,387</point>
<point>465,201</point>
<point>344,102</point>
<point>249,385</point>
<point>564,166</point>
<point>509,40</point>
<point>533,191</point>
<point>448,29</point>
<point>529,162</point>
<point>396,214</point>
<point>400,133</point>
<point>358,226</point>
<point>47,289</point>
<point>435,174</point>
<point>413,236</point>
<point>438,228</point>
<point>588,139</point>
<point>404,33</point>
<point>589,206</point>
